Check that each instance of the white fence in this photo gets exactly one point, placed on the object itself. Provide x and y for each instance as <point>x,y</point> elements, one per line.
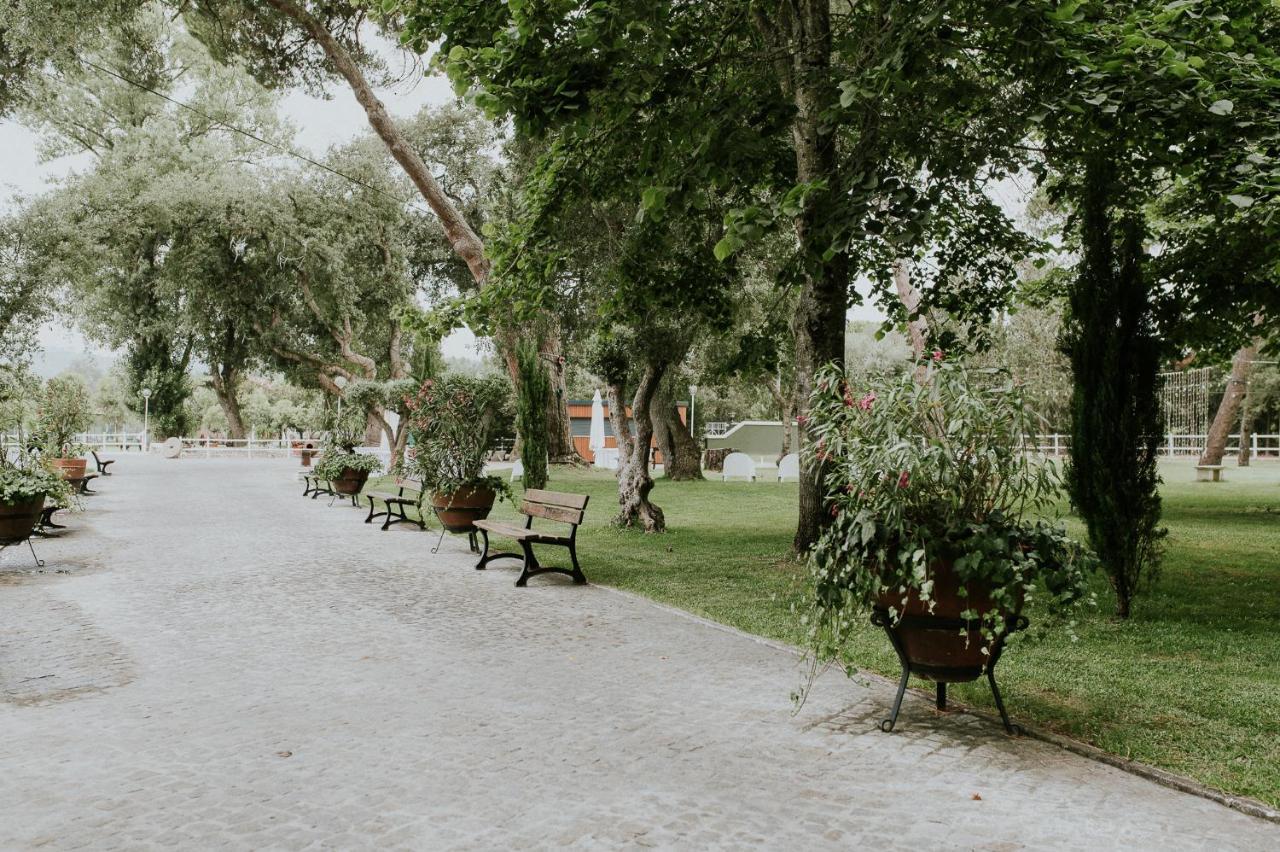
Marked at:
<point>1173,446</point>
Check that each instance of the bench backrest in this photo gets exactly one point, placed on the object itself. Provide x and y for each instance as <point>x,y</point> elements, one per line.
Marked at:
<point>554,506</point>
<point>404,483</point>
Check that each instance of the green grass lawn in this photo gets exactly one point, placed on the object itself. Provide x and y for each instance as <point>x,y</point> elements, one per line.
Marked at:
<point>1190,683</point>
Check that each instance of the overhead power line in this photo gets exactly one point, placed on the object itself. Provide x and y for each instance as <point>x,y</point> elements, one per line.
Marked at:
<point>248,134</point>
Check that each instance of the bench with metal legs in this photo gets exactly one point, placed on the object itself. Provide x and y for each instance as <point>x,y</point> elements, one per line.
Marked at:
<point>395,505</point>
<point>550,505</point>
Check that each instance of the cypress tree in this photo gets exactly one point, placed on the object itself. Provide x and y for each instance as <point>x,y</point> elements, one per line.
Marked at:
<point>531,413</point>
<point>1115,355</point>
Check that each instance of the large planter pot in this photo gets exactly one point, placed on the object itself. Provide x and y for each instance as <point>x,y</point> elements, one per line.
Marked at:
<point>351,481</point>
<point>70,468</point>
<point>459,511</point>
<point>17,520</point>
<point>940,645</point>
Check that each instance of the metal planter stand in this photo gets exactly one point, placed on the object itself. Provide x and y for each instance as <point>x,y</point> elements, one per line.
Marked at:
<point>27,538</point>
<point>943,675</point>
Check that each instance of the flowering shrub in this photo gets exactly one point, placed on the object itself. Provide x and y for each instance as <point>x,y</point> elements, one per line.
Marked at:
<point>928,468</point>
<point>63,413</point>
<point>451,422</point>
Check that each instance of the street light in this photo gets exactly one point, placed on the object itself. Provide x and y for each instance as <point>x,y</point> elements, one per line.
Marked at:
<point>693,400</point>
<point>146,420</point>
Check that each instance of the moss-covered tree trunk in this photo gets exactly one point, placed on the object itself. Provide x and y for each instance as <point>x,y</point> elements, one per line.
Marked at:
<point>634,481</point>
<point>224,378</point>
<point>1115,356</point>
<point>1225,418</point>
<point>681,455</point>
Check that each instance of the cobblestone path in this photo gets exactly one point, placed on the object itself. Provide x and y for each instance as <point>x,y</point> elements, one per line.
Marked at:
<point>228,665</point>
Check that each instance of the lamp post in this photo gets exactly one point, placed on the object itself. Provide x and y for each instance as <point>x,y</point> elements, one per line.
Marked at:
<point>146,420</point>
<point>693,400</point>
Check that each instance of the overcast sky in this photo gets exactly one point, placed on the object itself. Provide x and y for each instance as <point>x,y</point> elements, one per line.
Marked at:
<point>321,124</point>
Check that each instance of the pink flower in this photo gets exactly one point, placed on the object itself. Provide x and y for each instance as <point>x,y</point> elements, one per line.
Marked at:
<point>848,399</point>
<point>937,356</point>
<point>801,419</point>
<point>866,402</point>
<point>904,479</point>
<point>835,510</point>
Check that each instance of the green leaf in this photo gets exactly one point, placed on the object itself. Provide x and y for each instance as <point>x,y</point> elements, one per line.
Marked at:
<point>724,248</point>
<point>1221,107</point>
<point>1241,201</point>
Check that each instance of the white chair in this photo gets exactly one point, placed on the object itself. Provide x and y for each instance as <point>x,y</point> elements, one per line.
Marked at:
<point>517,470</point>
<point>789,468</point>
<point>739,466</point>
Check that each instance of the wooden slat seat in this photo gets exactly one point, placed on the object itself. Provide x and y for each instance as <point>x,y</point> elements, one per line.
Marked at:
<point>554,506</point>
<point>408,493</point>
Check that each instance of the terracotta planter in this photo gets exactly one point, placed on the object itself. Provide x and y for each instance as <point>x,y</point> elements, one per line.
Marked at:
<point>17,520</point>
<point>459,511</point>
<point>70,468</point>
<point>943,655</point>
<point>351,481</point>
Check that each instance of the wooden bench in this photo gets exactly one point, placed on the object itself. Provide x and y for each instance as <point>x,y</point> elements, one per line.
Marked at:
<point>549,505</point>
<point>396,503</point>
<point>314,486</point>
<point>80,484</point>
<point>1209,473</point>
<point>102,463</point>
<point>46,521</point>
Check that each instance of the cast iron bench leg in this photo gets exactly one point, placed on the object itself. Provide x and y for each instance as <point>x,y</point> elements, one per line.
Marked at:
<point>530,566</point>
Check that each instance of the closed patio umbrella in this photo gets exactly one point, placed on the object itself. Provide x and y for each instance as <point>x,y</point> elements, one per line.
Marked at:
<point>596,442</point>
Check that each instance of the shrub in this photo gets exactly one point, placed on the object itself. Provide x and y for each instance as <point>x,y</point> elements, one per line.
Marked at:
<point>531,414</point>
<point>931,468</point>
<point>451,422</point>
<point>62,415</point>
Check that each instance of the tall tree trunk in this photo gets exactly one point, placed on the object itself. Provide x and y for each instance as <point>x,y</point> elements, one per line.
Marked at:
<point>224,378</point>
<point>917,327</point>
<point>634,481</point>
<point>1246,431</point>
<point>560,446</point>
<point>662,428</point>
<point>686,459</point>
<point>1229,409</point>
<point>462,238</point>
<point>819,321</point>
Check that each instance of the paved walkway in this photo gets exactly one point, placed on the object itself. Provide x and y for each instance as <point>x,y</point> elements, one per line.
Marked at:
<point>227,664</point>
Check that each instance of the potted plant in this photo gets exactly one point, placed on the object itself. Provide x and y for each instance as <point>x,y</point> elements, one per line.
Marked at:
<point>339,462</point>
<point>63,413</point>
<point>938,528</point>
<point>451,424</point>
<point>26,484</point>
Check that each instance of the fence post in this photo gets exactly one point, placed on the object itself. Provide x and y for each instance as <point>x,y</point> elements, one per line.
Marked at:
<point>1170,445</point>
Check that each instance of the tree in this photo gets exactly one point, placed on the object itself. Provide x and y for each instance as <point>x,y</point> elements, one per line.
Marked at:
<point>823,122</point>
<point>1231,407</point>
<point>1133,100</point>
<point>307,41</point>
<point>25,303</point>
<point>612,359</point>
<point>532,395</point>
